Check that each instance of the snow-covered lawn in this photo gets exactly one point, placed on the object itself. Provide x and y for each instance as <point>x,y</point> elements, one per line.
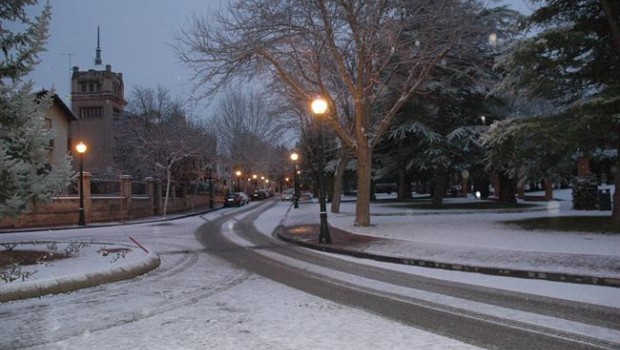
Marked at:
<point>85,263</point>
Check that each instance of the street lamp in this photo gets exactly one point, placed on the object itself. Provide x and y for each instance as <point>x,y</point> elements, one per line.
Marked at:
<point>238,174</point>
<point>81,148</point>
<point>294,157</point>
<point>319,108</point>
<point>209,169</point>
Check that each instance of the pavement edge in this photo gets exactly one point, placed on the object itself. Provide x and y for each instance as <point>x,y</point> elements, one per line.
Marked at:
<point>33,289</point>
<point>281,230</point>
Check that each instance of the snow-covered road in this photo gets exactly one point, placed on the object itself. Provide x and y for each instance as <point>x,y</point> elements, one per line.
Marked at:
<point>196,300</point>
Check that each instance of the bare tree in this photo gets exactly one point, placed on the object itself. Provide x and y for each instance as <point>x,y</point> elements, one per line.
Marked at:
<point>374,54</point>
<point>156,137</point>
<point>247,129</point>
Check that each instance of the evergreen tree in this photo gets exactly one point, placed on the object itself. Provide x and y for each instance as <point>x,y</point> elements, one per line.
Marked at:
<point>435,134</point>
<point>573,60</point>
<point>25,176</point>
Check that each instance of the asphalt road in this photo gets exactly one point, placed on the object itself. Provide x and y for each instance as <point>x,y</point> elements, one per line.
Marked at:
<point>302,269</point>
<point>193,297</point>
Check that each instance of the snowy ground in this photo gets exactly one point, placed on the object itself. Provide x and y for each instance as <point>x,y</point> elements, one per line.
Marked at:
<point>195,301</point>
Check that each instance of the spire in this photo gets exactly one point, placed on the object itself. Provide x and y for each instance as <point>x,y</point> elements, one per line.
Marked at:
<point>98,60</point>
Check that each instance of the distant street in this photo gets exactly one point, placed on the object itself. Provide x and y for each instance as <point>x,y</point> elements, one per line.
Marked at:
<point>220,294</point>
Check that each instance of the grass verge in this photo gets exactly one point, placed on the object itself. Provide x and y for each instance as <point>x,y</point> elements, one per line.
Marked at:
<point>594,224</point>
<point>479,205</point>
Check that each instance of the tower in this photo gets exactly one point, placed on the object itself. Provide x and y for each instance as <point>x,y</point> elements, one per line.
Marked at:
<point>98,60</point>
<point>97,99</point>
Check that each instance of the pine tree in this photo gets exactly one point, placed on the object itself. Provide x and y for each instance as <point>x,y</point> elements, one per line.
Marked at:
<point>25,176</point>
<point>435,134</point>
<point>573,60</point>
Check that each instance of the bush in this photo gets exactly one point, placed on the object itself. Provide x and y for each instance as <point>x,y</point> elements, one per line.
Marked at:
<point>585,193</point>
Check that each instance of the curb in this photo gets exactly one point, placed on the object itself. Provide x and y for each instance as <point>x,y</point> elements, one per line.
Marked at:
<point>33,289</point>
<point>97,224</point>
<point>505,272</point>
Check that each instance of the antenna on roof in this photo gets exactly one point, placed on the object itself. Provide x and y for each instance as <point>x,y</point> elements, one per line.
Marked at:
<point>98,60</point>
<point>69,55</point>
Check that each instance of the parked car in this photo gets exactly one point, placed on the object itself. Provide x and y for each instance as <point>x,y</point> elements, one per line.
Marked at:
<point>259,195</point>
<point>244,198</point>
<point>233,200</point>
<point>288,194</point>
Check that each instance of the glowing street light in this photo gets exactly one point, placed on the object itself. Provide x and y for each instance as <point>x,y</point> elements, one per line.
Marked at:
<point>294,157</point>
<point>319,107</point>
<point>81,149</point>
<point>238,173</point>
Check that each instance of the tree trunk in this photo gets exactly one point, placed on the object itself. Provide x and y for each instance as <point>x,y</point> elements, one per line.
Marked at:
<point>615,213</point>
<point>548,189</point>
<point>439,190</point>
<point>404,186</point>
<point>521,192</point>
<point>507,189</point>
<point>168,176</point>
<point>465,185</point>
<point>338,176</point>
<point>362,207</point>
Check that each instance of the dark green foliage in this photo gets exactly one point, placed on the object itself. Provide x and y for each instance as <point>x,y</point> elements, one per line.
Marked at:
<point>573,61</point>
<point>479,205</point>
<point>570,59</point>
<point>585,193</point>
<point>435,134</point>
<point>594,224</point>
<point>572,55</point>
<point>26,178</point>
<point>20,49</point>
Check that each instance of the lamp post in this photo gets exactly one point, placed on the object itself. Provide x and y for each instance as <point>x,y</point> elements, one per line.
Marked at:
<point>319,108</point>
<point>294,157</point>
<point>254,183</point>
<point>238,174</point>
<point>210,177</point>
<point>81,148</point>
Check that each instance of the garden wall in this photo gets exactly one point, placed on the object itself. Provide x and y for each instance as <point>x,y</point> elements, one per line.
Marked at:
<point>64,211</point>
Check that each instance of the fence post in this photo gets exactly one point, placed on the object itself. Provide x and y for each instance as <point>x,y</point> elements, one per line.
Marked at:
<point>153,191</point>
<point>86,178</point>
<point>125,182</point>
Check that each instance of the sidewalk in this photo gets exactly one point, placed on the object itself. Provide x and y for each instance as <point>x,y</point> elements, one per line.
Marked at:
<point>475,241</point>
<point>154,218</point>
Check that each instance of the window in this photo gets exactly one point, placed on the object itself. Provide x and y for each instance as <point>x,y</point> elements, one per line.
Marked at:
<point>91,112</point>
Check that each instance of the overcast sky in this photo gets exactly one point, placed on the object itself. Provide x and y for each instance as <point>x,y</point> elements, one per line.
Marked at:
<point>136,36</point>
<point>135,40</point>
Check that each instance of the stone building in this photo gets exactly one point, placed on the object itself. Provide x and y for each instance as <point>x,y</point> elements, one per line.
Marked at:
<point>98,100</point>
<point>58,119</point>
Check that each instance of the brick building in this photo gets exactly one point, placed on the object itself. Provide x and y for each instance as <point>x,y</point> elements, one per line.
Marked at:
<point>97,99</point>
